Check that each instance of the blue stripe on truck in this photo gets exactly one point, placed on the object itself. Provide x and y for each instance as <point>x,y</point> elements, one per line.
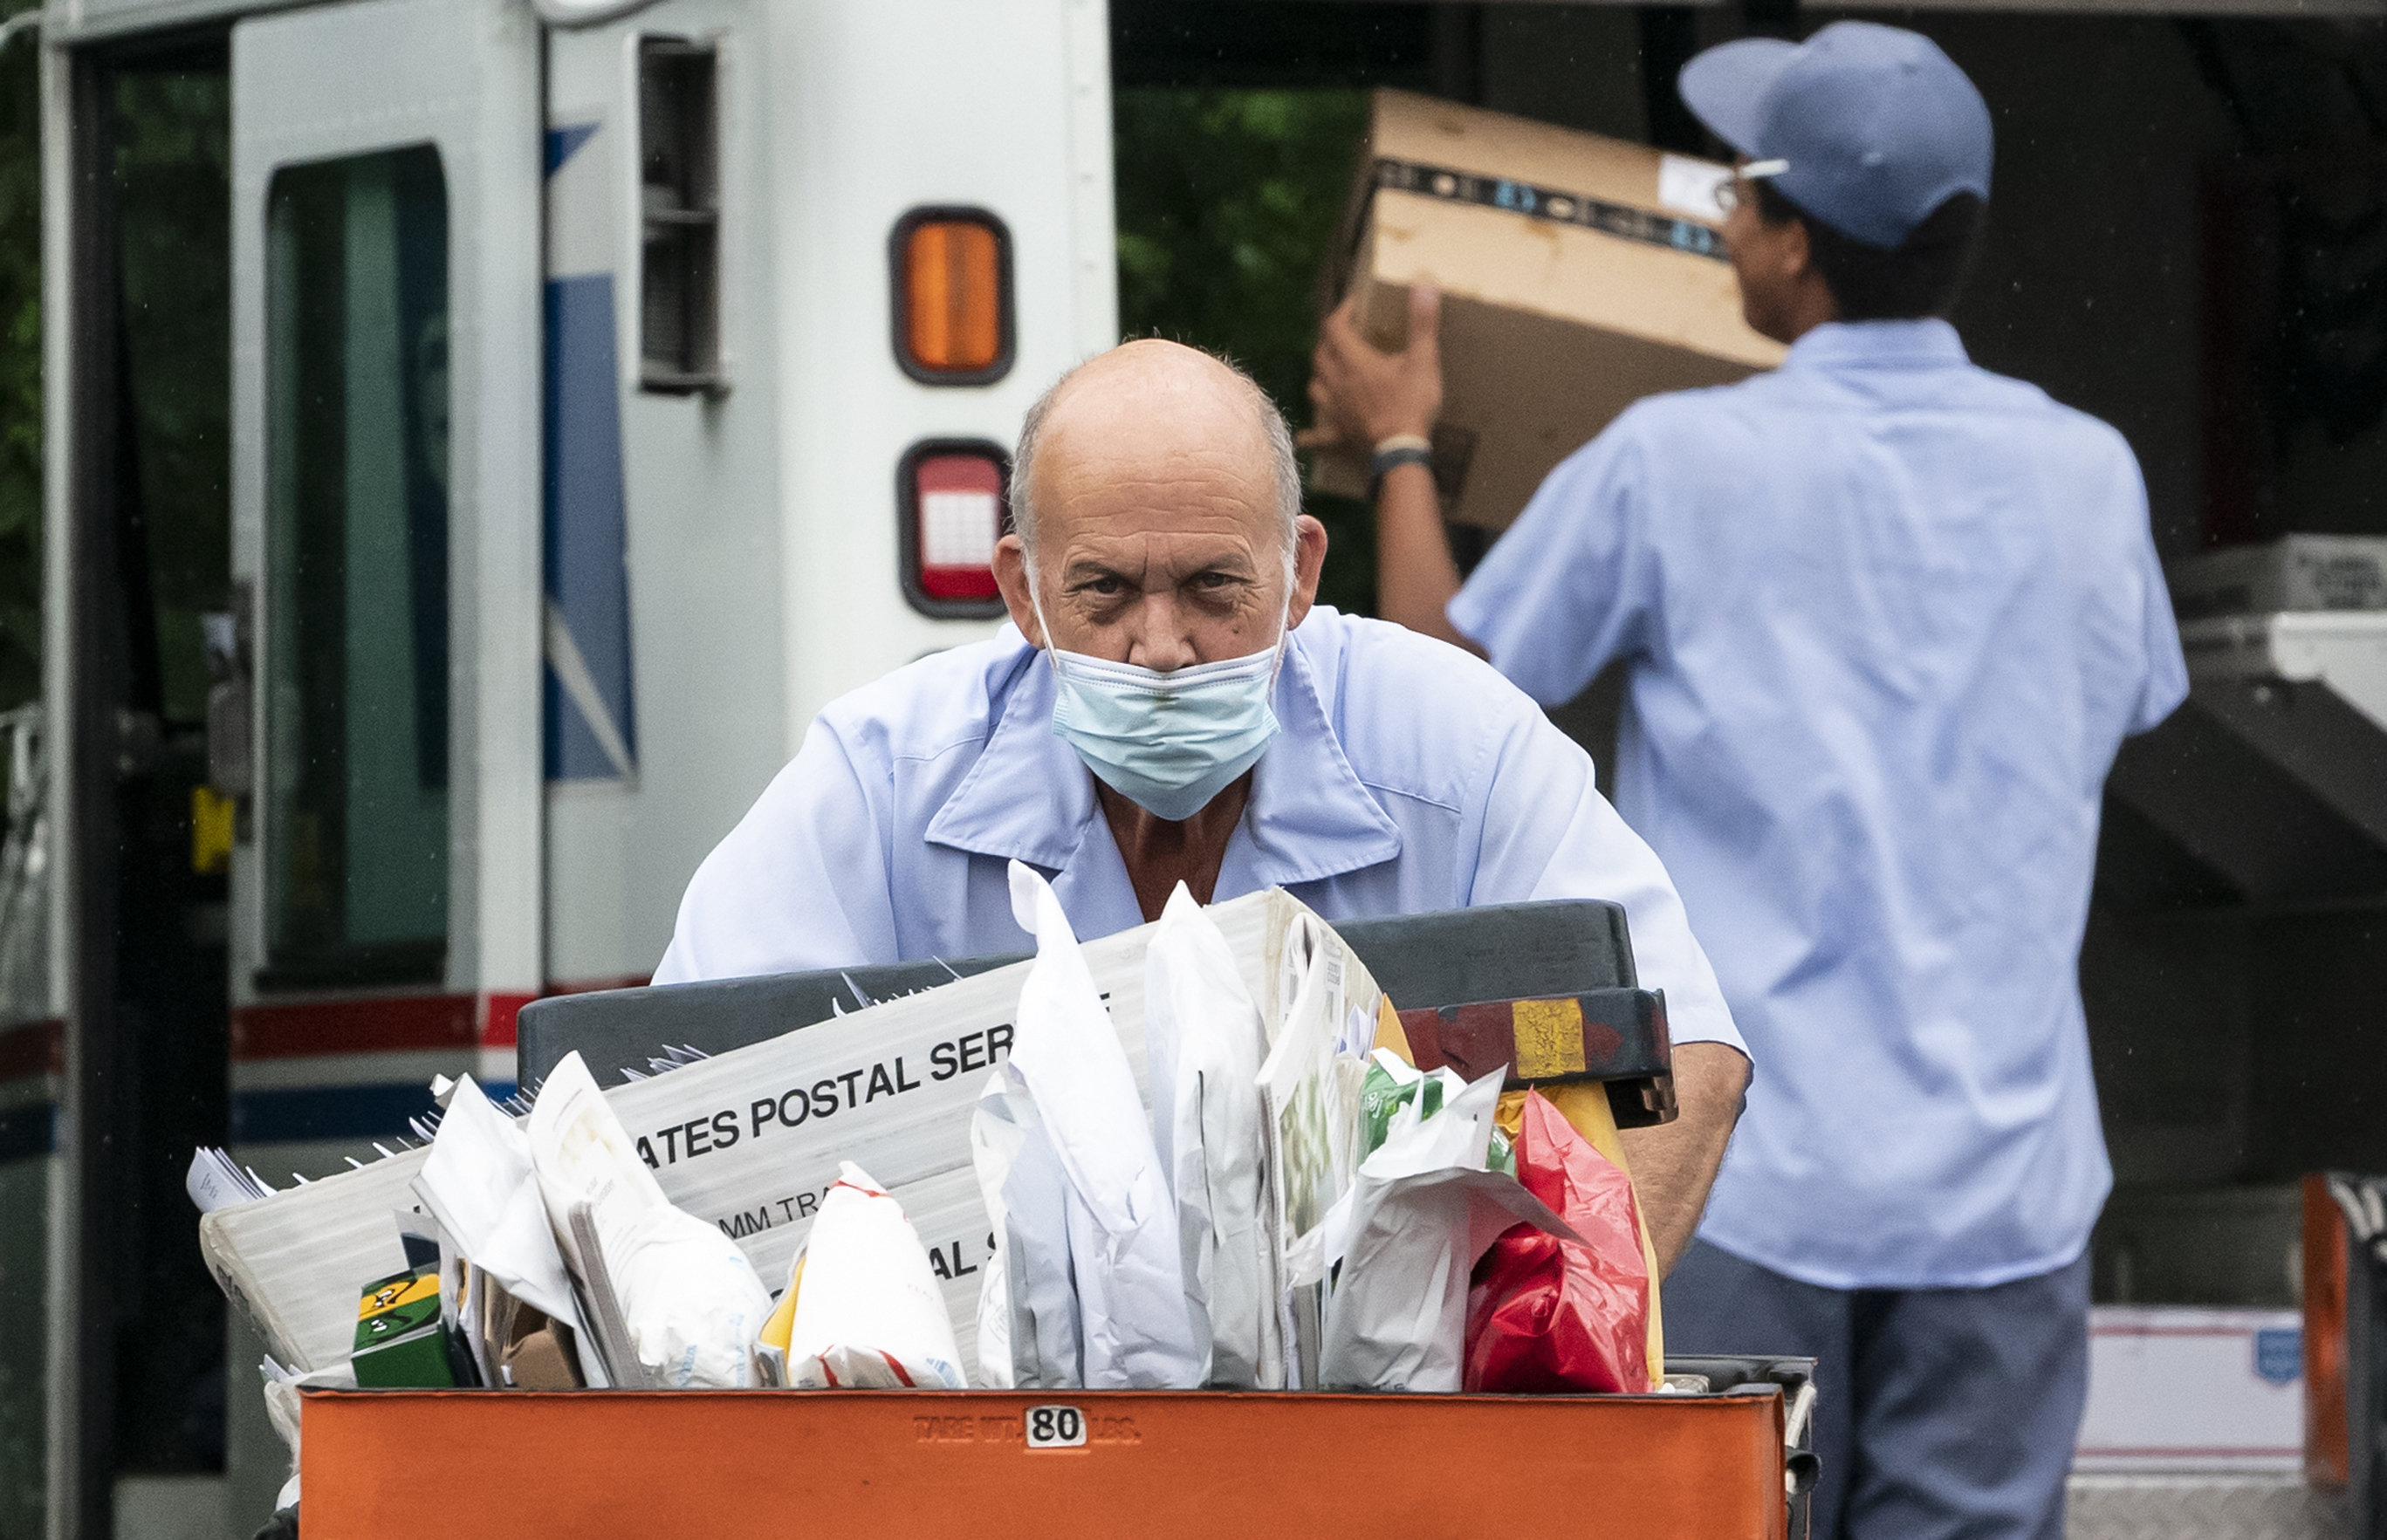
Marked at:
<point>300,1115</point>
<point>29,1130</point>
<point>588,702</point>
<point>586,560</point>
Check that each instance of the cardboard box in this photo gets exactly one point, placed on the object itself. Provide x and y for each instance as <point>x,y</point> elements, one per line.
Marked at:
<point>2296,571</point>
<point>1578,275</point>
<point>2186,1389</point>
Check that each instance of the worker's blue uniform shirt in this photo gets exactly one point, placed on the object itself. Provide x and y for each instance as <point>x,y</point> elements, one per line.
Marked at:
<point>1407,776</point>
<point>1888,617</point>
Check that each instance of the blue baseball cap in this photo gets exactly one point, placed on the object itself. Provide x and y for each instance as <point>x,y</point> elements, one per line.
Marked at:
<point>1872,127</point>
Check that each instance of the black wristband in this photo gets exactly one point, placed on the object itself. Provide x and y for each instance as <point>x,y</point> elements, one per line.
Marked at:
<point>1384,461</point>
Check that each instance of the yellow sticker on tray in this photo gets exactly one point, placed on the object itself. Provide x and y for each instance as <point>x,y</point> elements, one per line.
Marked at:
<point>1549,1038</point>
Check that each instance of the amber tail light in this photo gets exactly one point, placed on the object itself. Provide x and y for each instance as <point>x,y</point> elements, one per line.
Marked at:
<point>952,296</point>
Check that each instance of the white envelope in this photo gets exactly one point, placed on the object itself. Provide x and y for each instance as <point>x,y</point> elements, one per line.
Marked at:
<point>478,1184</point>
<point>1122,1220</point>
<point>690,1303</point>
<point>1204,1040</point>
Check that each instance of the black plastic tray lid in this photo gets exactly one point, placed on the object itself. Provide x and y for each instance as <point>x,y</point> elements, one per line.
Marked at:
<point>1449,957</point>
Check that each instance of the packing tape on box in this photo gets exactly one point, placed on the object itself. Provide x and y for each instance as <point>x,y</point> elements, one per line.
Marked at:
<point>1546,203</point>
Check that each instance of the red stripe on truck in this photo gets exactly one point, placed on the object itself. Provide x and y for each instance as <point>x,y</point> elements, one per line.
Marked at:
<point>317,1027</point>
<point>392,1024</point>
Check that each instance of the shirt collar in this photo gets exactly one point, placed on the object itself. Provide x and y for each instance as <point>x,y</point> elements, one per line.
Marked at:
<point>1030,799</point>
<point>1836,345</point>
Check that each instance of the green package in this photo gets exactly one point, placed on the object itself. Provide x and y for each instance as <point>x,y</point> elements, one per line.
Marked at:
<point>400,1343</point>
<point>1390,1086</point>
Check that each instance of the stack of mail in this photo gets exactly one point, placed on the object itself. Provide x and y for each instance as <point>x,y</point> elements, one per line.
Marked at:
<point>1243,1235</point>
<point>751,1140</point>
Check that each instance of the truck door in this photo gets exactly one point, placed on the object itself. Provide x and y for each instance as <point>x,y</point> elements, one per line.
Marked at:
<point>384,887</point>
<point>385,515</point>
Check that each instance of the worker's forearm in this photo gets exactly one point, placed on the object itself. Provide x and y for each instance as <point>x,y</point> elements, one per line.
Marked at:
<point>1673,1164</point>
<point>1415,577</point>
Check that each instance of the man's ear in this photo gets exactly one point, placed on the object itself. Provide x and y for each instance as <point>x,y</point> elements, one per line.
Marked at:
<point>1011,576</point>
<point>1807,280</point>
<point>1797,252</point>
<point>1309,561</point>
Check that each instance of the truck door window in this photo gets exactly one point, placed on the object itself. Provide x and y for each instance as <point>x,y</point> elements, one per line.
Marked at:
<point>357,479</point>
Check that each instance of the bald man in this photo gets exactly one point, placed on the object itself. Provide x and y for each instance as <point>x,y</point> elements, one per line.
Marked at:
<point>1169,706</point>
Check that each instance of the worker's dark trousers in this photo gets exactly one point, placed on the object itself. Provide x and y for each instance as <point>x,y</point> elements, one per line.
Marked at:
<point>1939,1412</point>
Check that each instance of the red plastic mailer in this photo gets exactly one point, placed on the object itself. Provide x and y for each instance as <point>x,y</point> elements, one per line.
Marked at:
<point>1546,1314</point>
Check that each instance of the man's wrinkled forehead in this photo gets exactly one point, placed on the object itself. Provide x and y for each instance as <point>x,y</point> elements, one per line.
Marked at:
<point>1155,553</point>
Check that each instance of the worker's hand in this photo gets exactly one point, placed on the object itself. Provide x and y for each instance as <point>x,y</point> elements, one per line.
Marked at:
<point>1364,397</point>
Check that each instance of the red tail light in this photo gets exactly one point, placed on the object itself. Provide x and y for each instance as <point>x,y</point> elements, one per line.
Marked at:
<point>951,498</point>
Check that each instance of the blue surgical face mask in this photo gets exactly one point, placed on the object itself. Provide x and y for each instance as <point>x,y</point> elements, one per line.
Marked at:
<point>1167,742</point>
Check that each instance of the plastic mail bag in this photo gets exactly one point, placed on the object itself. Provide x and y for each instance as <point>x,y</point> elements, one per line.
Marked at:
<point>1310,1088</point>
<point>479,1184</point>
<point>1549,1315</point>
<point>1405,1239</point>
<point>868,1313</point>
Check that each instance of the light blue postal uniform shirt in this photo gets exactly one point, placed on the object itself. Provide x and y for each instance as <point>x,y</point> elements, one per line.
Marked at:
<point>1407,776</point>
<point>1888,616</point>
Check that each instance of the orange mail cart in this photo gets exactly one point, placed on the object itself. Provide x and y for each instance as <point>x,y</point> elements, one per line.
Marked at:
<point>1727,1462</point>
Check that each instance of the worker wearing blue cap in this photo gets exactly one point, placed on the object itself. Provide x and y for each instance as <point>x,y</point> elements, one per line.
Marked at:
<point>1887,618</point>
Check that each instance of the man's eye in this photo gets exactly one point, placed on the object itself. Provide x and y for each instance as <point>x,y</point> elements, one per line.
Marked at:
<point>1213,580</point>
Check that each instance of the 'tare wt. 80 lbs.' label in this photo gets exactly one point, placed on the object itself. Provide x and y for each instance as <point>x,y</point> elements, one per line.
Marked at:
<point>1055,1428</point>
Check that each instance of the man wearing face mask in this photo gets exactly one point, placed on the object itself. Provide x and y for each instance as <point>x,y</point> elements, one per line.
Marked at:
<point>1169,706</point>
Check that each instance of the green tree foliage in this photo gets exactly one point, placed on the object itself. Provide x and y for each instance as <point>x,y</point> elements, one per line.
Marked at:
<point>169,132</point>
<point>1227,200</point>
<point>171,151</point>
<point>20,370</point>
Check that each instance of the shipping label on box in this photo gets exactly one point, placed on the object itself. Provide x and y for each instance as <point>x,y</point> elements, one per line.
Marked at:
<point>1578,273</point>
